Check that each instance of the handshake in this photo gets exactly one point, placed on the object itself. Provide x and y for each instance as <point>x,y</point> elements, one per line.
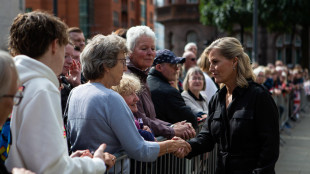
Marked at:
<point>178,147</point>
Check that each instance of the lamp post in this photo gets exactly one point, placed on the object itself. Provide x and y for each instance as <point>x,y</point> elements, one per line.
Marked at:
<point>254,50</point>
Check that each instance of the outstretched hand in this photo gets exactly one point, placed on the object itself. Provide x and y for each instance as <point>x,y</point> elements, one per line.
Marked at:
<point>108,159</point>
<point>182,151</point>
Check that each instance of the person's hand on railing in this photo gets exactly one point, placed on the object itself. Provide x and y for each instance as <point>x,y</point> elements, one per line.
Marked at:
<point>182,151</point>
<point>184,130</point>
<point>108,159</point>
<point>74,76</point>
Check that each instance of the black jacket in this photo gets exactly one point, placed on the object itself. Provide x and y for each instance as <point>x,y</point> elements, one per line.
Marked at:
<point>168,102</point>
<point>65,91</point>
<point>247,133</point>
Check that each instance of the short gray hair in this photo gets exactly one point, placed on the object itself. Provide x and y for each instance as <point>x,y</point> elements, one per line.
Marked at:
<point>100,52</point>
<point>7,68</point>
<point>135,33</point>
<point>193,70</point>
<point>189,45</point>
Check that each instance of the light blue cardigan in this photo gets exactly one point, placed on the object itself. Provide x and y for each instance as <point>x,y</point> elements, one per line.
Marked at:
<point>99,115</point>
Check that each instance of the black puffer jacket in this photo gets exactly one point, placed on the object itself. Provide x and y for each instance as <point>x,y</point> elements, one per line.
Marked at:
<point>247,133</point>
<point>168,102</point>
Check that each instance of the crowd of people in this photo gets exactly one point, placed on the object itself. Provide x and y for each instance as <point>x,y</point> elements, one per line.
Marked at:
<point>76,103</point>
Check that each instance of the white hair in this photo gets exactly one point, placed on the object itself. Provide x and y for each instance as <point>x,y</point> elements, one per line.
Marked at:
<point>189,45</point>
<point>259,69</point>
<point>135,33</point>
<point>7,68</point>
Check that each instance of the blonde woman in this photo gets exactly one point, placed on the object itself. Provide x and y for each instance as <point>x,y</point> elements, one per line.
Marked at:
<point>243,118</point>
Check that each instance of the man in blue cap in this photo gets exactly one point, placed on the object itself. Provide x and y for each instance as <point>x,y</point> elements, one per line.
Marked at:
<point>168,102</point>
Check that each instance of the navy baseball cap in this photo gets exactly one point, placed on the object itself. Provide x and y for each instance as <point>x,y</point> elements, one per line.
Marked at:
<point>167,56</point>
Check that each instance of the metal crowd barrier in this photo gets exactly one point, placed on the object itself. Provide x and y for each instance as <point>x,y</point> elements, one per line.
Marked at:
<point>204,163</point>
<point>286,106</point>
<point>169,164</point>
<point>282,101</point>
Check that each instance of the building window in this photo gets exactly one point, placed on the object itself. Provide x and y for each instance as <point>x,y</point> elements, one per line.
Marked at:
<point>297,41</point>
<point>279,54</point>
<point>143,12</point>
<point>287,39</point>
<point>21,5</point>
<point>151,18</point>
<point>115,19</point>
<point>279,42</point>
<point>171,1</point>
<point>192,1</point>
<point>191,36</point>
<point>86,16</point>
<point>132,5</point>
<point>288,49</point>
<point>28,10</point>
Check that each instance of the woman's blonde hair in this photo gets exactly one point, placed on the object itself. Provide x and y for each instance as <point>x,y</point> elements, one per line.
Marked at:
<point>128,85</point>
<point>203,62</point>
<point>230,48</point>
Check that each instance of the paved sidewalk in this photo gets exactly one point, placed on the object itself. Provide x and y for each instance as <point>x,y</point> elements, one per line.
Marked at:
<point>295,153</point>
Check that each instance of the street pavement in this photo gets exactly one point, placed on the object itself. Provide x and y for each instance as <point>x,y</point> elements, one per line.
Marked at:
<point>295,152</point>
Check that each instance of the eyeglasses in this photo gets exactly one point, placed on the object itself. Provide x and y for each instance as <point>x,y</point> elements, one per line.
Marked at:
<point>196,78</point>
<point>123,61</point>
<point>193,59</point>
<point>17,98</point>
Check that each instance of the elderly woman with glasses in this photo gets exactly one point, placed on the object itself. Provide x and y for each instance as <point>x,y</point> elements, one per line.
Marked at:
<point>10,95</point>
<point>97,114</point>
<point>193,84</point>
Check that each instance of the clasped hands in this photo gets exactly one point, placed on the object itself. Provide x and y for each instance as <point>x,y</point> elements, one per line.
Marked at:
<point>184,130</point>
<point>180,147</point>
<point>108,158</point>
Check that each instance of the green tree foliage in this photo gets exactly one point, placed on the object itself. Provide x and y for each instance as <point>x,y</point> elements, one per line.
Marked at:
<point>224,14</point>
<point>281,16</point>
<point>284,16</point>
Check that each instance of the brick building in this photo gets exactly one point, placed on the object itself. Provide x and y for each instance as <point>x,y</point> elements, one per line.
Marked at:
<point>99,16</point>
<point>181,21</point>
<point>8,11</point>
